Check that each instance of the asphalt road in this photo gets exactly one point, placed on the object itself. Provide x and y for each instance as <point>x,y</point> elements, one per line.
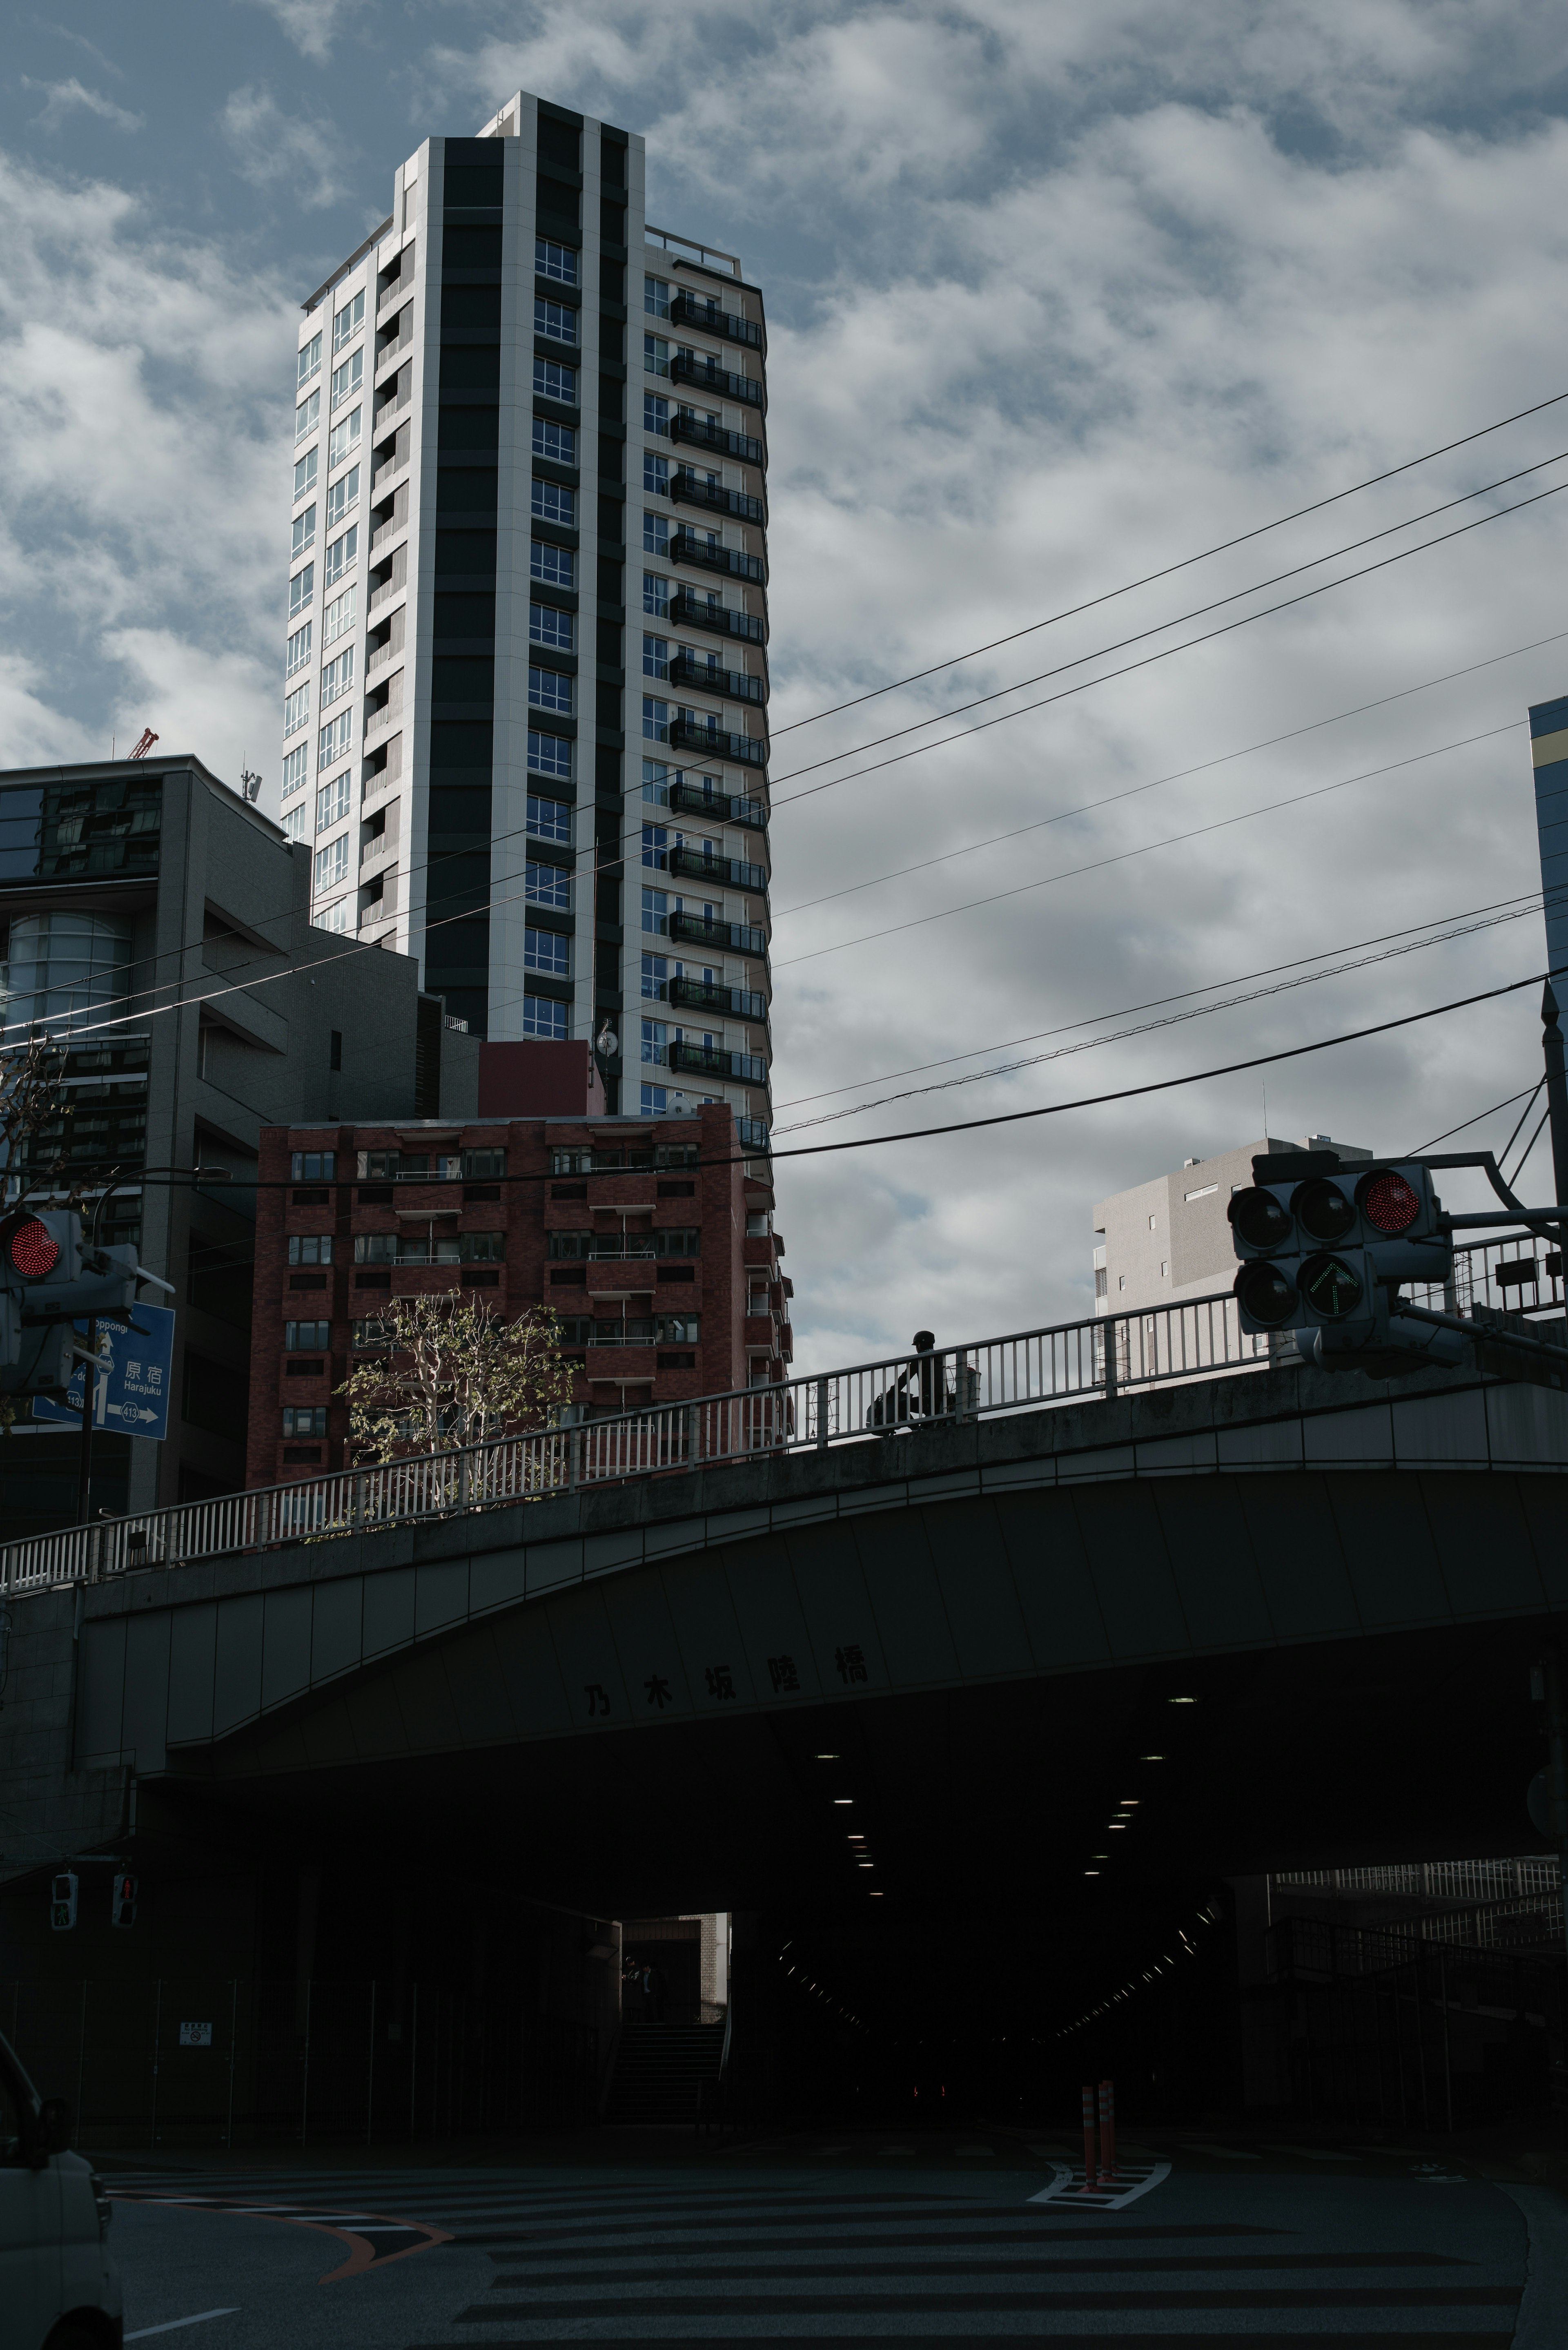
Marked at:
<point>949,2239</point>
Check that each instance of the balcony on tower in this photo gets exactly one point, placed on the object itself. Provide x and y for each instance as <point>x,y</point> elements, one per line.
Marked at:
<point>734,684</point>
<point>703,433</point>
<point>696,612</point>
<point>705,374</point>
<point>716,1061</point>
<point>689,309</point>
<point>689,545</point>
<point>699,931</point>
<point>720,808</point>
<point>688,487</point>
<point>696,865</point>
<point>711,995</point>
<point>690,732</point>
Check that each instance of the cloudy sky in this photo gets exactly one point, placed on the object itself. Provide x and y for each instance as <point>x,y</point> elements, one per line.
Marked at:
<point>1060,296</point>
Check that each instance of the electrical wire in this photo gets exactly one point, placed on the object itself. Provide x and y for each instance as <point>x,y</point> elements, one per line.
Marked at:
<point>1158,1003</point>
<point>1170,1020</point>
<point>1197,612</point>
<point>1512,1180</point>
<point>1017,1116</point>
<point>1148,660</point>
<point>1523,1114</point>
<point>1180,776</point>
<point>1465,1123</point>
<point>1150,578</point>
<point>1172,840</point>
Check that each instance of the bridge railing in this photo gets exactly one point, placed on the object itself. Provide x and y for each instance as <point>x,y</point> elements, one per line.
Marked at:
<point>1027,1369</point>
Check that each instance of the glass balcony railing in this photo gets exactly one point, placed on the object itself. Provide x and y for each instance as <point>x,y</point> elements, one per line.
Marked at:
<point>742,938</point>
<point>707,375</point>
<point>721,808</point>
<point>714,1061</point>
<point>692,489</point>
<point>744,447</point>
<point>718,871</point>
<point>696,612</point>
<point>734,684</point>
<point>689,545</point>
<point>708,995</point>
<point>746,750</point>
<point>753,1133</point>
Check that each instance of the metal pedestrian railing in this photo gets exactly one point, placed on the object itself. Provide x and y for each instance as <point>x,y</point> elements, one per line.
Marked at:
<point>1068,1362</point>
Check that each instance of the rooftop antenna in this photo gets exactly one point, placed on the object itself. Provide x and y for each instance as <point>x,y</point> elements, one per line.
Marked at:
<point>144,743</point>
<point>250,784</point>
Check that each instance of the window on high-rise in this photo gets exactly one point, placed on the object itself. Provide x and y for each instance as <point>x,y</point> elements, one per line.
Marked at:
<point>304,474</point>
<point>655,413</point>
<point>338,677</point>
<point>332,802</point>
<point>346,380</point>
<point>342,440</point>
<point>555,320</point>
<point>342,552</point>
<point>556,442</point>
<point>550,819</point>
<point>655,474</point>
<point>552,260</point>
<point>309,359</point>
<point>343,495</point>
<point>655,534</point>
<point>310,1248</point>
<point>656,296</point>
<point>655,354</point>
<point>298,650</point>
<point>305,416</point>
<point>655,844</point>
<point>656,656</point>
<point>296,710</point>
<point>547,885</point>
<point>304,533</point>
<point>655,594</point>
<point>655,910</point>
<point>556,566</point>
<point>339,615</point>
<point>300,589</point>
<point>543,1017</point>
<point>332,864</point>
<point>549,625</point>
<point>295,770</point>
<point>552,380</point>
<point>334,739</point>
<point>550,688</point>
<point>549,754</point>
<point>549,951</point>
<point>655,974</point>
<point>348,322</point>
<point>654,719</point>
<point>554,503</point>
<point>655,1040</point>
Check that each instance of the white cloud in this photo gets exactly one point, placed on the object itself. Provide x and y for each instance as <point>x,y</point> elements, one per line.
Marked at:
<point>63,99</point>
<point>311,25</point>
<point>288,148</point>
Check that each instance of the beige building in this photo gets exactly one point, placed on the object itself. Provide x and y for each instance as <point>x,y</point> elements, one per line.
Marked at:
<point>1169,1240</point>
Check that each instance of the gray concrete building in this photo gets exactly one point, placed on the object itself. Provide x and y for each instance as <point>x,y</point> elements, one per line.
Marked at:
<point>526,675</point>
<point>1170,1239</point>
<point>158,927</point>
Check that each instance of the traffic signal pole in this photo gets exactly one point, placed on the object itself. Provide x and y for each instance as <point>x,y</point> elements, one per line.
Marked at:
<point>1556,1091</point>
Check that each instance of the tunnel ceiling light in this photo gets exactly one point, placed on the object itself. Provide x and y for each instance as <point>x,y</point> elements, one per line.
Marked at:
<point>1181,1700</point>
<point>874,1891</point>
<point>830,1758</point>
<point>1128,1800</point>
<point>1117,1823</point>
<point>1151,1758</point>
<point>843,1799</point>
<point>1091,1872</point>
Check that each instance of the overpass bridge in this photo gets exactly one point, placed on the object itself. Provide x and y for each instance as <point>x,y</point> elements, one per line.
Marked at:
<point>1115,1603</point>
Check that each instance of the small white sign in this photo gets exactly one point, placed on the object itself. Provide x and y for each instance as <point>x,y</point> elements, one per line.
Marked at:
<point>195,2035</point>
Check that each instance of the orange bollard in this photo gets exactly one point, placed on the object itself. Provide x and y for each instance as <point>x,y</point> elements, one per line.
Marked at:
<point>1107,2130</point>
<point>1088,2137</point>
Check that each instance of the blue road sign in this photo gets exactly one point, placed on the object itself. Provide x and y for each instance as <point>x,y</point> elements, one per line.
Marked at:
<point>132,1388</point>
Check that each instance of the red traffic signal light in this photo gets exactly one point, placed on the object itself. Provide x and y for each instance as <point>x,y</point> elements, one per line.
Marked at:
<point>122,1902</point>
<point>1388,1202</point>
<point>32,1248</point>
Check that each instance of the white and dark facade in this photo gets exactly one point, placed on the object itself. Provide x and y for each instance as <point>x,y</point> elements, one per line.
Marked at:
<point>527,684</point>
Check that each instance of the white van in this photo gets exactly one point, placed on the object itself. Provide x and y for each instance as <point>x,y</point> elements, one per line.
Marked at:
<point>59,2290</point>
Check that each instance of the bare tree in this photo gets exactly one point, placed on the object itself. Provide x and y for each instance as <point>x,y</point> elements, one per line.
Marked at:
<point>453,1374</point>
<point>29,1095</point>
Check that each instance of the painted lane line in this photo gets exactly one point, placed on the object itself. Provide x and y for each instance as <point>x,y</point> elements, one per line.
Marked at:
<point>175,2323</point>
<point>1132,2181</point>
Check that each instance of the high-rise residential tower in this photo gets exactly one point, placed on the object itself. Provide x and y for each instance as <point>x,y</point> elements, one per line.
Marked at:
<point>526,679</point>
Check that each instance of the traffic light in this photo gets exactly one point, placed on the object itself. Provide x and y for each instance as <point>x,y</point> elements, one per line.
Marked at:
<point>47,1282</point>
<point>1325,1247</point>
<point>122,1900</point>
<point>63,1901</point>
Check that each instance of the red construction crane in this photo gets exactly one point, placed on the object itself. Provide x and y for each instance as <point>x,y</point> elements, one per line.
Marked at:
<point>144,743</point>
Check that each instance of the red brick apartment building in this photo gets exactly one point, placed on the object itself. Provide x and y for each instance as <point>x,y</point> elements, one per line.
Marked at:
<point>664,1271</point>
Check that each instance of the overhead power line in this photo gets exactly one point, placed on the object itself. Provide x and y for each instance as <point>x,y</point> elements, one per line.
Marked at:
<point>1465,1123</point>
<point>1181,774</point>
<point>1170,1020</point>
<point>1168,570</point>
<point>1146,848</point>
<point>1148,660</point>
